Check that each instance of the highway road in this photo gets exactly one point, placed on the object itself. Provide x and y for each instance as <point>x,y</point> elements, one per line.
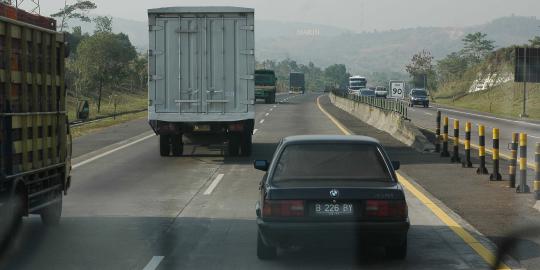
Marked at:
<point>129,208</point>
<point>426,117</point>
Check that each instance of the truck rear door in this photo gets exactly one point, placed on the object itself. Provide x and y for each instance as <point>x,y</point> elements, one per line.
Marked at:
<point>203,64</point>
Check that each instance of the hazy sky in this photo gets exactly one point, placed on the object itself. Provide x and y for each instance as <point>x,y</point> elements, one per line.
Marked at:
<point>356,15</point>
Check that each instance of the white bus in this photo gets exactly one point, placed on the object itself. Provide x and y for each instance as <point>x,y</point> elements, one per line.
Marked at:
<point>356,83</point>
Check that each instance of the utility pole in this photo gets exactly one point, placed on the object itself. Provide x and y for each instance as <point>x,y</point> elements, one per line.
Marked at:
<point>524,112</point>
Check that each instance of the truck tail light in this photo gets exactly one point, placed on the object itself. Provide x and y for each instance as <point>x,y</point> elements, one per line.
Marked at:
<point>386,208</point>
<point>236,127</point>
<point>283,208</point>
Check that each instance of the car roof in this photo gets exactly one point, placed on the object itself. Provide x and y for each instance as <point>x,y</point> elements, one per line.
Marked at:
<point>329,138</point>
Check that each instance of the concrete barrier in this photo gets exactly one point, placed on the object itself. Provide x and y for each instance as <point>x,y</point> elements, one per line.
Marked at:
<point>390,122</point>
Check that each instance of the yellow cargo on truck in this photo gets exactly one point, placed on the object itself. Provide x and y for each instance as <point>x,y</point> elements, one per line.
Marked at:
<point>35,143</point>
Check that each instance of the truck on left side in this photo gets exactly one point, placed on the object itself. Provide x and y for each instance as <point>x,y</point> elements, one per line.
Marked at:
<point>35,141</point>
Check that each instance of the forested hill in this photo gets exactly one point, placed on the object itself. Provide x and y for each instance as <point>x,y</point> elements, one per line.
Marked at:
<point>361,52</point>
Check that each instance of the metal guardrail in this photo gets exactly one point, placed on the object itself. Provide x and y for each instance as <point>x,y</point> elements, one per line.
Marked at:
<point>77,123</point>
<point>386,104</point>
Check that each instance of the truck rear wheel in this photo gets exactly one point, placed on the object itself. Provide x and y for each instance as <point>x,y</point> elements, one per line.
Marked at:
<point>51,214</point>
<point>177,145</point>
<point>234,144</point>
<point>246,144</point>
<point>164,145</point>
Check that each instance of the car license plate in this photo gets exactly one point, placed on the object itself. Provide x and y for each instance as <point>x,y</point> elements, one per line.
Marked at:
<point>201,128</point>
<point>333,209</point>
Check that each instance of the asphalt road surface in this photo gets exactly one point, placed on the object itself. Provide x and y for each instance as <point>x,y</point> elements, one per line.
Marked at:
<point>426,117</point>
<point>129,208</point>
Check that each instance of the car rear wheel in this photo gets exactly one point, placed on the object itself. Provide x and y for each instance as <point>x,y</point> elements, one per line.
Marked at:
<point>398,252</point>
<point>265,252</point>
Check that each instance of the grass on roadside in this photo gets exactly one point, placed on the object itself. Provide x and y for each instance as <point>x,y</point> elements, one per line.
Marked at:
<point>99,125</point>
<point>504,100</point>
<point>125,102</point>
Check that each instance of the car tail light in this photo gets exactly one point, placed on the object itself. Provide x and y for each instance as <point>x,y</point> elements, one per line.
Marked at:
<point>386,208</point>
<point>283,208</point>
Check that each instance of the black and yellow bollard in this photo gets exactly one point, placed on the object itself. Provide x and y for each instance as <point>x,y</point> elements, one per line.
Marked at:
<point>482,150</point>
<point>513,159</point>
<point>536,183</point>
<point>467,163</point>
<point>444,151</point>
<point>495,175</point>
<point>455,155</point>
<point>438,133</point>
<point>523,187</point>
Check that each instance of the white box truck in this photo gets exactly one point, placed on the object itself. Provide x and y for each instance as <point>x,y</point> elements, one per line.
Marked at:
<point>201,66</point>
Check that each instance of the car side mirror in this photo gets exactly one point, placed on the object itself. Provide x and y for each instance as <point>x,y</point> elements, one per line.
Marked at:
<point>396,165</point>
<point>261,165</point>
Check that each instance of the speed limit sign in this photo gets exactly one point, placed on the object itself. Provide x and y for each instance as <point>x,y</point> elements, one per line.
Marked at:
<point>397,89</point>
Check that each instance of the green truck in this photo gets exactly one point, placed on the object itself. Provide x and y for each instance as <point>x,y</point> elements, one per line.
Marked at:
<point>265,85</point>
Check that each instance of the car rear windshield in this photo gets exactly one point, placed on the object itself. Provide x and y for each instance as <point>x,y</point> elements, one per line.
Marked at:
<point>333,164</point>
<point>419,93</point>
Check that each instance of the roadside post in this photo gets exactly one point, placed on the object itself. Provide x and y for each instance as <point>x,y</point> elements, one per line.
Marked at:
<point>513,159</point>
<point>536,185</point>
<point>482,150</point>
<point>523,187</point>
<point>455,156</point>
<point>444,152</point>
<point>467,163</point>
<point>495,175</point>
<point>438,133</point>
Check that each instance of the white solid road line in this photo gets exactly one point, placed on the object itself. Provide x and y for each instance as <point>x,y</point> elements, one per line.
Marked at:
<point>153,263</point>
<point>255,131</point>
<point>111,151</point>
<point>267,114</point>
<point>491,117</point>
<point>262,121</point>
<point>214,184</point>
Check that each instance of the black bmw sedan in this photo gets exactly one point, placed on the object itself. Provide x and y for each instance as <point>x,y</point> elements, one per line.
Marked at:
<point>330,189</point>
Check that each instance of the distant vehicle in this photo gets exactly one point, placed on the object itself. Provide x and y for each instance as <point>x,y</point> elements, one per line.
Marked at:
<point>202,90</point>
<point>330,189</point>
<point>356,82</point>
<point>381,91</point>
<point>418,96</point>
<point>367,92</point>
<point>265,85</point>
<point>35,139</point>
<point>297,83</point>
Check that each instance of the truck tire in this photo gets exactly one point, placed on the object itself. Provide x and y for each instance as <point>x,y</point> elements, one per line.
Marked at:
<point>177,145</point>
<point>267,100</point>
<point>50,216</point>
<point>11,218</point>
<point>234,144</point>
<point>273,98</point>
<point>246,144</point>
<point>164,145</point>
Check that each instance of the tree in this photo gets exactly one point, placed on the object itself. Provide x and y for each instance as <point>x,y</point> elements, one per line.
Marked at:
<point>535,42</point>
<point>421,69</point>
<point>476,47</point>
<point>104,60</point>
<point>103,24</point>
<point>336,75</point>
<point>77,10</point>
<point>452,67</point>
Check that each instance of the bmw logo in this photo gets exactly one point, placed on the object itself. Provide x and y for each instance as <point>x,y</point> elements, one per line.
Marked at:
<point>334,193</point>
